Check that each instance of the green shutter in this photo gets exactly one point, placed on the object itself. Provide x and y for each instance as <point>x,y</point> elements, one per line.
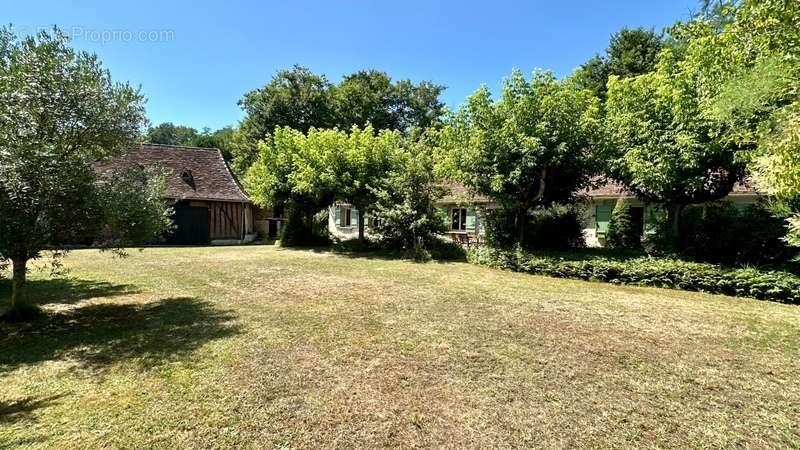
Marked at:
<point>354,217</point>
<point>603,217</point>
<point>338,216</point>
<point>470,220</point>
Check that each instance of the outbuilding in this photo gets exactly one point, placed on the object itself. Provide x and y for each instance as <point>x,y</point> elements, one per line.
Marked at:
<point>210,206</point>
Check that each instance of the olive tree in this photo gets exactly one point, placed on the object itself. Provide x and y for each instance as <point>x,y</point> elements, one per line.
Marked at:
<point>532,147</point>
<point>59,114</point>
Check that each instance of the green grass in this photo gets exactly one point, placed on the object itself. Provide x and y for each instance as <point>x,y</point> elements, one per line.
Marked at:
<point>258,346</point>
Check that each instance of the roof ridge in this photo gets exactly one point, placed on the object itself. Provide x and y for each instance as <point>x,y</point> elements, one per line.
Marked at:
<point>184,147</point>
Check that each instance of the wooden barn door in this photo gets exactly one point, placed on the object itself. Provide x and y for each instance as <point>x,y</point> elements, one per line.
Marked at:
<point>191,226</point>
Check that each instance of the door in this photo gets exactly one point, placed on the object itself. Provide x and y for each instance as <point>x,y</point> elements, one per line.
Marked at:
<point>191,226</point>
<point>637,219</point>
<point>272,229</point>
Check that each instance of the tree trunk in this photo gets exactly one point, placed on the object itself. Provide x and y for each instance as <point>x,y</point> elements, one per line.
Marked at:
<point>522,220</point>
<point>310,223</point>
<point>361,216</point>
<point>674,211</point>
<point>18,282</point>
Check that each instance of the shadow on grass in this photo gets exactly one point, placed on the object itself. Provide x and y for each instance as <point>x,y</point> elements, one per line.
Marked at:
<point>19,409</point>
<point>372,251</point>
<point>101,334</point>
<point>65,290</point>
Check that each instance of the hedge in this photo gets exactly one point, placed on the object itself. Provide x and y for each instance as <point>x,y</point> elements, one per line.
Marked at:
<point>647,271</point>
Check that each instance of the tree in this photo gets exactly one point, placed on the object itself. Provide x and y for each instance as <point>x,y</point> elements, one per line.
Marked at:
<point>751,49</point>
<point>168,133</point>
<point>219,139</point>
<point>369,158</point>
<point>418,106</point>
<point>365,98</point>
<point>299,171</point>
<point>302,100</point>
<point>61,113</point>
<point>370,97</point>
<point>532,147</point>
<point>405,211</point>
<point>660,144</point>
<point>296,98</point>
<point>630,52</point>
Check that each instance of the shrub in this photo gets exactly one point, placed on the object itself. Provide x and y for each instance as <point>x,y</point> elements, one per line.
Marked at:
<point>646,271</point>
<point>623,232</point>
<point>357,246</point>
<point>417,253</point>
<point>448,251</point>
<point>558,227</point>
<point>722,234</point>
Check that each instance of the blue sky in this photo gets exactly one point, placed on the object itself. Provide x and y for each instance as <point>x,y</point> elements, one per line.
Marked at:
<point>194,60</point>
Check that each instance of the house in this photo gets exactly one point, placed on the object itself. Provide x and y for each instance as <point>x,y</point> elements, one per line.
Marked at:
<point>464,210</point>
<point>210,206</point>
<point>602,199</point>
<point>459,206</point>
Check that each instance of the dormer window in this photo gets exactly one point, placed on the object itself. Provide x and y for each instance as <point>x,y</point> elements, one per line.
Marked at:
<point>187,177</point>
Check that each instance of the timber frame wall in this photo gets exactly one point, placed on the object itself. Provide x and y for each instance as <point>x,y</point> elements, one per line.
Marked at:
<point>226,220</point>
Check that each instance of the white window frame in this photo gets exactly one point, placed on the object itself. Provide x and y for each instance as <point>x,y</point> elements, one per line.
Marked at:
<point>462,220</point>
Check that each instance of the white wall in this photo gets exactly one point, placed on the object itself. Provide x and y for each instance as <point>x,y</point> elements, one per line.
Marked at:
<point>343,233</point>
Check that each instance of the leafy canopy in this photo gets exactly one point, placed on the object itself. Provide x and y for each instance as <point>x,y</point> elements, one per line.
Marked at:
<point>170,134</point>
<point>754,55</point>
<point>531,147</point>
<point>405,199</point>
<point>630,52</point>
<point>661,145</point>
<point>59,114</point>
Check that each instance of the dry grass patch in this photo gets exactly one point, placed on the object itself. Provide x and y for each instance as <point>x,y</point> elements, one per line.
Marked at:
<point>291,349</point>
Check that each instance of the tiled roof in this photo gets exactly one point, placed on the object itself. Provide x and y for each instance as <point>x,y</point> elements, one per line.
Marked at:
<point>209,177</point>
<point>610,188</point>
<point>458,193</point>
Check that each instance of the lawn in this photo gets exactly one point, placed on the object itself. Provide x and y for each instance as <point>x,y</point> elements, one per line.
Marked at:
<point>261,347</point>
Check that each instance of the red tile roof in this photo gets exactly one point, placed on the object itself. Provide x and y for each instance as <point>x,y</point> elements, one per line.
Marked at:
<point>210,178</point>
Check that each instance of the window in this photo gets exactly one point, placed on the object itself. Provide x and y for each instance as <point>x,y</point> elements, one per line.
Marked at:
<point>187,177</point>
<point>463,219</point>
<point>346,216</point>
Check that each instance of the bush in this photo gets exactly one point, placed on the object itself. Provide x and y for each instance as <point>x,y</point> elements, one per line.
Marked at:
<point>448,251</point>
<point>646,271</point>
<point>357,246</point>
<point>722,234</point>
<point>556,228</point>
<point>439,250</point>
<point>622,231</point>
